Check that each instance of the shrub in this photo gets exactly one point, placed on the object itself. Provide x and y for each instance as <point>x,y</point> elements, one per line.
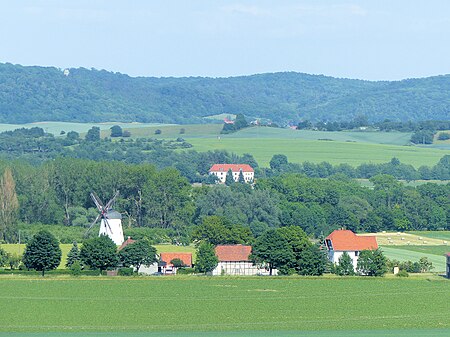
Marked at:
<point>403,273</point>
<point>75,268</point>
<point>125,271</point>
<point>185,271</point>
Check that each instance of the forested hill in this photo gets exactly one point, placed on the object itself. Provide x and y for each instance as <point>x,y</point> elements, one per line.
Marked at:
<point>31,94</point>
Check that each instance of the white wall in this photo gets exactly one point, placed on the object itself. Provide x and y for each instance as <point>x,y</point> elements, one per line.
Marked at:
<point>240,268</point>
<point>335,255</point>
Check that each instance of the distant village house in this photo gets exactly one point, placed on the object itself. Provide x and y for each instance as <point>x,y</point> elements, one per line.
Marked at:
<point>221,170</point>
<point>341,241</point>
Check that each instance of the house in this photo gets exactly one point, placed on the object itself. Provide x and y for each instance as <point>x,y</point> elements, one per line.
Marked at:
<point>221,170</point>
<point>342,240</point>
<point>166,266</point>
<point>127,242</point>
<point>235,260</point>
<point>448,265</point>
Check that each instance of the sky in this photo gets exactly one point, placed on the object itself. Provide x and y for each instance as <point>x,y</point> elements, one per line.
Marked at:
<point>371,39</point>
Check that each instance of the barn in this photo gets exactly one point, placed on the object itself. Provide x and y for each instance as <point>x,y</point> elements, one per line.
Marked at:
<point>235,260</point>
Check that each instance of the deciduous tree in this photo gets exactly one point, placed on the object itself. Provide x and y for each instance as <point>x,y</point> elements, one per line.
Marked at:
<point>138,253</point>
<point>206,259</point>
<point>99,253</point>
<point>9,205</point>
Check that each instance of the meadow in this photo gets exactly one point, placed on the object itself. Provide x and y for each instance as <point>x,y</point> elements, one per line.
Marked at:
<point>222,306</point>
<point>350,147</point>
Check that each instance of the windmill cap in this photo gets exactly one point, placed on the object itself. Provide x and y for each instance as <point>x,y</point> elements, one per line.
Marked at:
<point>113,215</point>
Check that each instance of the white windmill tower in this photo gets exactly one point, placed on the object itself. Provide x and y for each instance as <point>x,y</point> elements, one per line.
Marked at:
<point>111,220</point>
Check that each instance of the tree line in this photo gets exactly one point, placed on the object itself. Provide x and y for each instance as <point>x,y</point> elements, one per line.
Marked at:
<point>57,193</point>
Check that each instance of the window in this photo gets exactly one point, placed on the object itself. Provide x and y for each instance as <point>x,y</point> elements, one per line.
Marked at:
<point>329,244</point>
<point>356,253</point>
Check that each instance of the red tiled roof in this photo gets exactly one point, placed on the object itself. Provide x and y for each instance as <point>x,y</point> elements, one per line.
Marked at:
<point>127,242</point>
<point>232,167</point>
<point>233,252</point>
<point>185,257</point>
<point>448,254</point>
<point>347,240</point>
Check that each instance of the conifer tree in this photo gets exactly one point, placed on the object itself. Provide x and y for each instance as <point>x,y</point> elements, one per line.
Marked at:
<point>229,180</point>
<point>73,255</point>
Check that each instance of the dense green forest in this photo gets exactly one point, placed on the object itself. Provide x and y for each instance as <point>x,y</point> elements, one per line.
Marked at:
<point>30,94</point>
<point>57,193</point>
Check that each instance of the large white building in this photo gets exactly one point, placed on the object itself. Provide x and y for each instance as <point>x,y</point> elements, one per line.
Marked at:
<point>221,170</point>
<point>342,240</point>
<point>235,260</point>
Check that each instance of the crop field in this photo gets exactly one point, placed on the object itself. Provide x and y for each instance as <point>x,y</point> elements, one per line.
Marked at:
<point>430,250</point>
<point>316,151</point>
<point>221,306</point>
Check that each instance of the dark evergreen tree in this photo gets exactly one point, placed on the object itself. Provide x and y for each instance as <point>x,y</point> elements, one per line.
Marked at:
<point>241,178</point>
<point>73,255</point>
<point>345,265</point>
<point>42,253</point>
<point>229,180</point>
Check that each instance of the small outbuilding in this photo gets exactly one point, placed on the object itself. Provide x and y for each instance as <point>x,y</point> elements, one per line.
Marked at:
<point>342,240</point>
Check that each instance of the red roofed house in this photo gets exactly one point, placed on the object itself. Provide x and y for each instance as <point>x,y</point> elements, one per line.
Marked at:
<point>166,258</point>
<point>234,260</point>
<point>221,170</point>
<point>341,241</point>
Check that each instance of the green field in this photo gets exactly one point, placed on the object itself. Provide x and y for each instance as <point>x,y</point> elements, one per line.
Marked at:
<point>430,250</point>
<point>443,235</point>
<point>349,147</point>
<point>219,306</point>
<point>403,253</point>
<point>316,151</point>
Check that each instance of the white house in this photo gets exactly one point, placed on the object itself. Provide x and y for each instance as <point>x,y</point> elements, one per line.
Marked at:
<point>234,260</point>
<point>341,241</point>
<point>221,170</point>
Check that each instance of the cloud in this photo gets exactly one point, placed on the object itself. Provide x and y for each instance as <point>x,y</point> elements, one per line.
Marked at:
<point>331,10</point>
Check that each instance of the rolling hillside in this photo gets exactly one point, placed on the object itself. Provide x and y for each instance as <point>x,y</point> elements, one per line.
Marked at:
<point>33,94</point>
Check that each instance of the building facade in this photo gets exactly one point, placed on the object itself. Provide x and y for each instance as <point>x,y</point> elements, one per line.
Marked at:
<point>221,170</point>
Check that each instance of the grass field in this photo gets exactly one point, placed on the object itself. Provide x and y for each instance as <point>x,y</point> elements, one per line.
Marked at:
<point>219,306</point>
<point>433,250</point>
<point>299,150</point>
<point>439,235</point>
<point>403,253</point>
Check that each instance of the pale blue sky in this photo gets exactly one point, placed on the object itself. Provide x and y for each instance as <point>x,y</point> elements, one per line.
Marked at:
<point>372,39</point>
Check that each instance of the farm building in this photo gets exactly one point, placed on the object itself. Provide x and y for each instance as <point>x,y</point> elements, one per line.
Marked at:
<point>166,266</point>
<point>341,241</point>
<point>235,260</point>
<point>448,266</point>
<point>221,170</point>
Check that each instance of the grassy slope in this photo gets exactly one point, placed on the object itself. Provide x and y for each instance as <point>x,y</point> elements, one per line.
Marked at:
<point>442,235</point>
<point>223,304</point>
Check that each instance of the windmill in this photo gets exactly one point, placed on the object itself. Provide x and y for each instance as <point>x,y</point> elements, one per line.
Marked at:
<point>111,220</point>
